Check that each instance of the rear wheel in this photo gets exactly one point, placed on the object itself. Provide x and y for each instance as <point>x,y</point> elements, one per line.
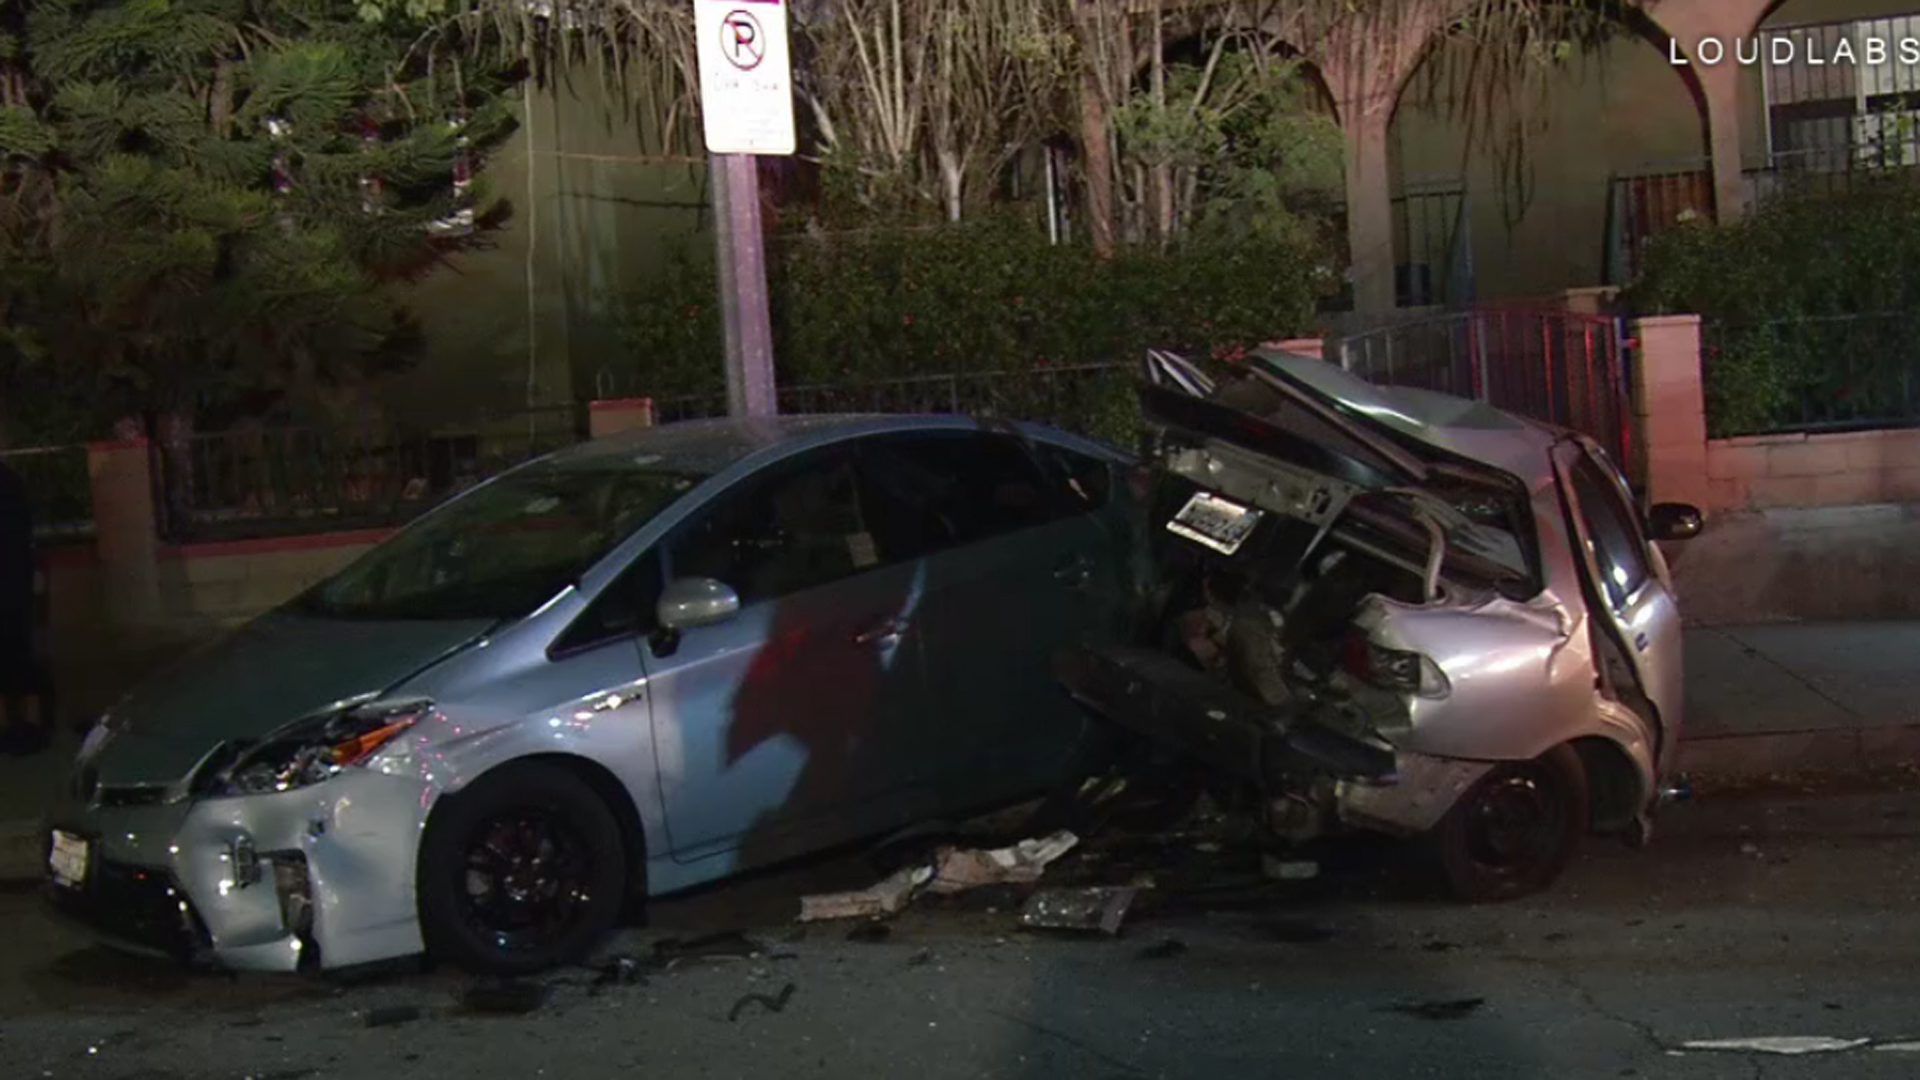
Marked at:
<point>1515,830</point>
<point>523,871</point>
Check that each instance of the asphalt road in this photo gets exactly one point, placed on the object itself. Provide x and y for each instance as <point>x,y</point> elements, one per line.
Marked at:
<point>1784,914</point>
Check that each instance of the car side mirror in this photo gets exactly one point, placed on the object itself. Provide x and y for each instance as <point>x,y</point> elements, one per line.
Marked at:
<point>689,602</point>
<point>1673,521</point>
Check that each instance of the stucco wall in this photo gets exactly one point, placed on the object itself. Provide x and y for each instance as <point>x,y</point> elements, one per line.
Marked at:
<point>1623,110</point>
<point>593,216</point>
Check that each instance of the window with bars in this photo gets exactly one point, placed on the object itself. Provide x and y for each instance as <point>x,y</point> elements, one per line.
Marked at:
<point>1842,96</point>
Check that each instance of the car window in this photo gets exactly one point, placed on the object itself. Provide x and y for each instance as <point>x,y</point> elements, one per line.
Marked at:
<point>1087,481</point>
<point>625,608</point>
<point>501,550</point>
<point>937,489</point>
<point>1617,547</point>
<point>794,527</point>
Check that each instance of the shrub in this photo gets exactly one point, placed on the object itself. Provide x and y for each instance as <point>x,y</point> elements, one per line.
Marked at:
<point>1795,302</point>
<point>991,295</point>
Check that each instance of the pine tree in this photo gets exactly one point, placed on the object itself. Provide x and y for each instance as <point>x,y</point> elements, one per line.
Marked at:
<point>219,190</point>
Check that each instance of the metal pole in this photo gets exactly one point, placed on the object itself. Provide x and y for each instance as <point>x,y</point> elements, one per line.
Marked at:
<point>746,326</point>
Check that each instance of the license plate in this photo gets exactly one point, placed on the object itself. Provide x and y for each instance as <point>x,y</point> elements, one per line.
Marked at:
<point>1217,523</point>
<point>67,860</point>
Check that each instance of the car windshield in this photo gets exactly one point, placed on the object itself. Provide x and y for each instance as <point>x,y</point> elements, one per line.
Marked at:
<point>501,550</point>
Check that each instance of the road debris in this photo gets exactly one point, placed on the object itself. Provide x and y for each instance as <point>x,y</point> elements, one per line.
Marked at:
<point>1289,869</point>
<point>773,1003</point>
<point>1779,1044</point>
<point>870,932</point>
<point>959,869</point>
<point>1099,910</point>
<point>727,945</point>
<point>619,971</point>
<point>885,898</point>
<point>950,870</point>
<point>508,997</point>
<point>921,958</point>
<point>1456,1009</point>
<point>392,1015</point>
<point>1164,950</point>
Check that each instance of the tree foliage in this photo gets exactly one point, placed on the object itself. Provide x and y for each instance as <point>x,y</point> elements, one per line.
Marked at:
<point>205,198</point>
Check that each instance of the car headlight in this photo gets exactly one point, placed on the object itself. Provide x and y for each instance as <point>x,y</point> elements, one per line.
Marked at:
<point>316,750</point>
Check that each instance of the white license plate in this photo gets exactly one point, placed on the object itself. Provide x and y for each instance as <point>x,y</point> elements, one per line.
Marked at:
<point>68,860</point>
<point>1218,523</point>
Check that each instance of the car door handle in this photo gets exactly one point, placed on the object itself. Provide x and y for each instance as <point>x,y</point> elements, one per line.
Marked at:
<point>1640,642</point>
<point>1075,573</point>
<point>887,630</point>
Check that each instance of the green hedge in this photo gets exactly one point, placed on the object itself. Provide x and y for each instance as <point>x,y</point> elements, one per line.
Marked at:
<point>1804,305</point>
<point>991,295</point>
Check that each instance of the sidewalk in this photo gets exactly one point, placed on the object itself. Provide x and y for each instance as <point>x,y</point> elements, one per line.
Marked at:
<point>1788,697</point>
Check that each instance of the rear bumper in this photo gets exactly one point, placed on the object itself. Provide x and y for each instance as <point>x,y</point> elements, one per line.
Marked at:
<point>1155,696</point>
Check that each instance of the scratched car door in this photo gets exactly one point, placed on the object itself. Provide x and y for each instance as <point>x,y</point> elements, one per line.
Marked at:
<point>1010,578</point>
<point>788,726</point>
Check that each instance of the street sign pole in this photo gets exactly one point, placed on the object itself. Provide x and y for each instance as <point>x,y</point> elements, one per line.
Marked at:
<point>746,325</point>
<point>746,103</point>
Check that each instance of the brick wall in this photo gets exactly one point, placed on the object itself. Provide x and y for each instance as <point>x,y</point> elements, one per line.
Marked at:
<point>1764,472</point>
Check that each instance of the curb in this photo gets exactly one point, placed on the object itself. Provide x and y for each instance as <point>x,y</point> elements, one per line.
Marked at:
<point>1830,750</point>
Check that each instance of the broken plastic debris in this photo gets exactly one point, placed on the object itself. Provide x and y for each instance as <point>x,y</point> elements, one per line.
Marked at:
<point>1098,910</point>
<point>1780,1044</point>
<point>1289,869</point>
<point>960,869</point>
<point>886,898</point>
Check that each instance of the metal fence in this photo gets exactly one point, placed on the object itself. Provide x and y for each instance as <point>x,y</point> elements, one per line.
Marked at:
<point>1814,374</point>
<point>285,481</point>
<point>58,489</point>
<point>1560,367</point>
<point>1647,203</point>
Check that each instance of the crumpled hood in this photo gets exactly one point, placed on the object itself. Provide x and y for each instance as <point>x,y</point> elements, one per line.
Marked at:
<point>273,671</point>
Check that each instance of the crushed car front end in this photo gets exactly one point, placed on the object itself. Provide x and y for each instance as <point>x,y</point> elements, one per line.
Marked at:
<point>1356,632</point>
<point>259,858</point>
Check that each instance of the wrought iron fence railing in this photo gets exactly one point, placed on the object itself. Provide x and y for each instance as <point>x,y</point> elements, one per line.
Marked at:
<point>284,481</point>
<point>1811,374</point>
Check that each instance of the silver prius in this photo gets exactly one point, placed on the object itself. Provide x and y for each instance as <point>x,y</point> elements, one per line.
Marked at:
<point>1396,610</point>
<point>626,669</point>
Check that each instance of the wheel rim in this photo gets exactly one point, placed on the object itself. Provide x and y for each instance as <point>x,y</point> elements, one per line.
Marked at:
<point>528,878</point>
<point>1516,822</point>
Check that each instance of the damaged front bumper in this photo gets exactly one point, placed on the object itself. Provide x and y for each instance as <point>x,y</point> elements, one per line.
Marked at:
<point>1284,752</point>
<point>314,877</point>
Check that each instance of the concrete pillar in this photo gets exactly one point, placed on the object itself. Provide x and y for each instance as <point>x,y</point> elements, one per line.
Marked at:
<point>1690,22</point>
<point>1670,407</point>
<point>1721,84</point>
<point>612,417</point>
<point>1369,209</point>
<point>126,529</point>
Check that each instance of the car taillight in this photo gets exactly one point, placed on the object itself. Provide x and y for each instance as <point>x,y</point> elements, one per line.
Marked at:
<point>1393,669</point>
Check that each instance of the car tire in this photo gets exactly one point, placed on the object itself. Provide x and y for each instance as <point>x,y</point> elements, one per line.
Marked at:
<point>522,871</point>
<point>1514,831</point>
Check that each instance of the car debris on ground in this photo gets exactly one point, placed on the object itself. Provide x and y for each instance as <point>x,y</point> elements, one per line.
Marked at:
<point>948,871</point>
<point>1094,910</point>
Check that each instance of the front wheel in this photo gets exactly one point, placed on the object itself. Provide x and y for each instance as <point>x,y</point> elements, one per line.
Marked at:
<point>523,871</point>
<point>1514,830</point>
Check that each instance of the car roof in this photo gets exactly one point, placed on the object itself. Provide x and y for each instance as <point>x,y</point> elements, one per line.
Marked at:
<point>711,446</point>
<point>1462,426</point>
